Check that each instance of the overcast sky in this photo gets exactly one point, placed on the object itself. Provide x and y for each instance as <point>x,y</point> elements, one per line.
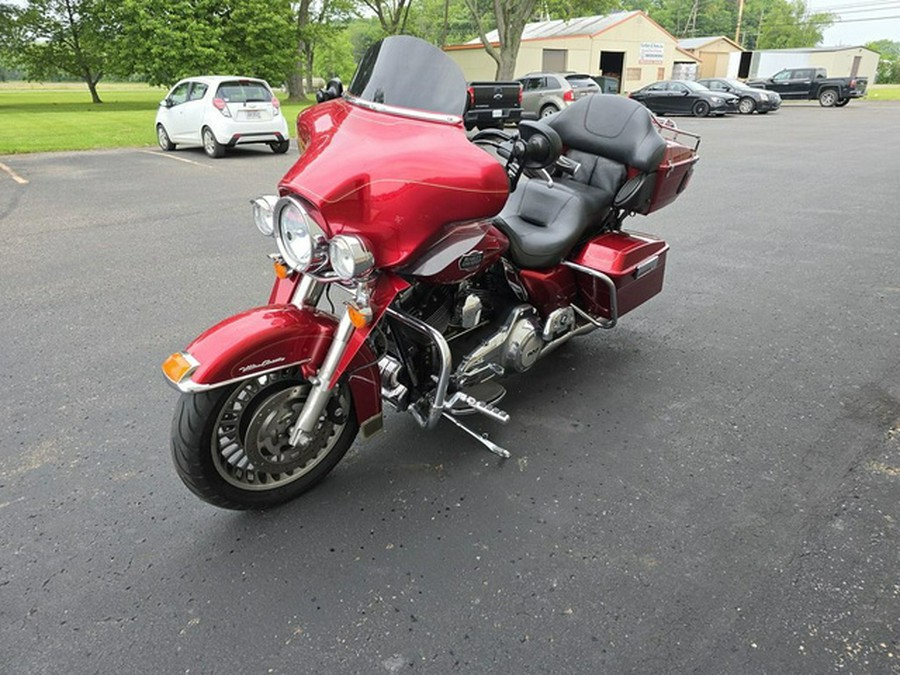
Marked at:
<point>859,21</point>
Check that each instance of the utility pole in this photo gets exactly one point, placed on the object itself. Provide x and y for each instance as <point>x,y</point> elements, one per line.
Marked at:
<point>737,31</point>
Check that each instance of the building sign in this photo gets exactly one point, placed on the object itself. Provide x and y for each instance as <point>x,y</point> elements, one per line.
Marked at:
<point>652,52</point>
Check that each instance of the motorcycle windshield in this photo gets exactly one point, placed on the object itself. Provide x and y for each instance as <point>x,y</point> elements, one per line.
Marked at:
<point>404,72</point>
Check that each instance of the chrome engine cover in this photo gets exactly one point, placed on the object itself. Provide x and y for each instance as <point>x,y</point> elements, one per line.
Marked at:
<point>516,345</point>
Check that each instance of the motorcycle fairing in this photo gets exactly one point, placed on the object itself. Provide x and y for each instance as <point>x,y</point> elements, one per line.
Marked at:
<point>393,180</point>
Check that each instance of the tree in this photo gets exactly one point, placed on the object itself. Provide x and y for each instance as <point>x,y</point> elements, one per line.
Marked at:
<point>316,22</point>
<point>164,42</point>
<point>392,14</point>
<point>889,63</point>
<point>62,36</point>
<point>510,17</point>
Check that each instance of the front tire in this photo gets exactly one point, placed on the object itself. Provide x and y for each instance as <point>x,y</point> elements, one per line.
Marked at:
<point>162,137</point>
<point>211,146</point>
<point>746,105</point>
<point>842,103</point>
<point>700,109</point>
<point>280,147</point>
<point>230,446</point>
<point>828,98</point>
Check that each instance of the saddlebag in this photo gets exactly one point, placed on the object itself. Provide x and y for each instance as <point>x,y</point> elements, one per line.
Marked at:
<point>636,264</point>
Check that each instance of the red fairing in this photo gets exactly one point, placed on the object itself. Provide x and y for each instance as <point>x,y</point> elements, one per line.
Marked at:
<point>395,180</point>
<point>275,336</point>
<point>461,252</point>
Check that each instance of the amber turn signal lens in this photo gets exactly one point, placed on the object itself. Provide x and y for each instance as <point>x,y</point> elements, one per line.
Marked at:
<point>281,270</point>
<point>359,317</point>
<point>176,367</point>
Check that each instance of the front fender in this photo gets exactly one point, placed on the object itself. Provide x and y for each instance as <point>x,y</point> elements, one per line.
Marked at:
<point>273,337</point>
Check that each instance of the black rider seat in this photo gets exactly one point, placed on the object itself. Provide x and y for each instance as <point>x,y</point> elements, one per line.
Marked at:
<point>603,133</point>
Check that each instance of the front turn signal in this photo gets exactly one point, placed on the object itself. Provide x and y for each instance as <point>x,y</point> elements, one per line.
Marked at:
<point>178,366</point>
<point>281,270</point>
<point>359,317</point>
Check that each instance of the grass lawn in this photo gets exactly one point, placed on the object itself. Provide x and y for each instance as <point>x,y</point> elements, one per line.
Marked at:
<point>884,92</point>
<point>39,117</point>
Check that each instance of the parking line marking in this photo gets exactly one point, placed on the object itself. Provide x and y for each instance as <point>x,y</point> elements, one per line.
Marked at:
<point>179,159</point>
<point>12,174</point>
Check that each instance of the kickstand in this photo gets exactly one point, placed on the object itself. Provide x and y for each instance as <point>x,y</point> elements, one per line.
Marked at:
<point>484,440</point>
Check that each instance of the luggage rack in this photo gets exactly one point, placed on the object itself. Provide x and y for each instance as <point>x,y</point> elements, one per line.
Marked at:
<point>670,131</point>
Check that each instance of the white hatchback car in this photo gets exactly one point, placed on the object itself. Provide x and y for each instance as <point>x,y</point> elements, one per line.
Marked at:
<point>221,112</point>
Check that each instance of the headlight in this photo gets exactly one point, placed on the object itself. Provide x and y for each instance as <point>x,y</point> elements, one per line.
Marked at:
<point>300,240</point>
<point>716,100</point>
<point>350,257</point>
<point>763,97</point>
<point>263,209</point>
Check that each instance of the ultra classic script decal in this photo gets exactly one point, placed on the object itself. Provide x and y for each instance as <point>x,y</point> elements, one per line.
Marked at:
<point>257,366</point>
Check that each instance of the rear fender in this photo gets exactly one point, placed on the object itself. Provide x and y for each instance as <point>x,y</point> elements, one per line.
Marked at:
<point>273,337</point>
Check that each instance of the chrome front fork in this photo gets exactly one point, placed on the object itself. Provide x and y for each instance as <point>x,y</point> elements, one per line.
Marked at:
<point>307,296</point>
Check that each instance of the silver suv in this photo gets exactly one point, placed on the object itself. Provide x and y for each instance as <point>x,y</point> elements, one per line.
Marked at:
<point>548,93</point>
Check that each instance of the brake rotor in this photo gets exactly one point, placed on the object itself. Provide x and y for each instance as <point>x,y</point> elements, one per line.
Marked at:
<point>266,442</point>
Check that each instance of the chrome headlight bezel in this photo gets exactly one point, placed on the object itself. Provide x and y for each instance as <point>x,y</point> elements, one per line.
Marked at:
<point>350,257</point>
<point>301,241</point>
<point>264,214</point>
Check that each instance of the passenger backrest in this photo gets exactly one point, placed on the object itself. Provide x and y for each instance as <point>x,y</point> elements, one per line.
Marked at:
<point>611,127</point>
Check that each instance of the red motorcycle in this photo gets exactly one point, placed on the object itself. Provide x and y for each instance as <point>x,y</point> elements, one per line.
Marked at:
<point>416,266</point>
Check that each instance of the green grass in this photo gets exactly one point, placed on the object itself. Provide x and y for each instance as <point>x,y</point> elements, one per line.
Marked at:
<point>884,92</point>
<point>42,117</point>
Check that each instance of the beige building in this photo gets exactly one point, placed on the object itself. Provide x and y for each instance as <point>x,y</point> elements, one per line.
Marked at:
<point>719,56</point>
<point>628,45</point>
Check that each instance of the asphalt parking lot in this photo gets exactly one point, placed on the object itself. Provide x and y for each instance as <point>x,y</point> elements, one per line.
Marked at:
<point>712,487</point>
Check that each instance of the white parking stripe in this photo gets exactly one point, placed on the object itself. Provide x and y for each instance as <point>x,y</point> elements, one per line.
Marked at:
<point>12,174</point>
<point>180,159</point>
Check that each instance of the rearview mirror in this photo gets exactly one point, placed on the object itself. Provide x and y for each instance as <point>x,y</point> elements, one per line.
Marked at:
<point>166,103</point>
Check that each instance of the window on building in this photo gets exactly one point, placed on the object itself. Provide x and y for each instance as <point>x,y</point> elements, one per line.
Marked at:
<point>632,73</point>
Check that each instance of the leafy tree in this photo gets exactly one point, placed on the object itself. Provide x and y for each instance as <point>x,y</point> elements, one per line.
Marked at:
<point>889,63</point>
<point>163,42</point>
<point>316,24</point>
<point>60,36</point>
<point>510,17</point>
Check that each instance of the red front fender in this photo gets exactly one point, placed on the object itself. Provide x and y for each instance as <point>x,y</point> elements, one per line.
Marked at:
<point>272,337</point>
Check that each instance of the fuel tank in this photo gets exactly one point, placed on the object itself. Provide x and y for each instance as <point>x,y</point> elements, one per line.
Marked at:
<point>395,180</point>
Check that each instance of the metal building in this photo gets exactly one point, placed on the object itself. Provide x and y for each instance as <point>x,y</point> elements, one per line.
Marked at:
<point>627,45</point>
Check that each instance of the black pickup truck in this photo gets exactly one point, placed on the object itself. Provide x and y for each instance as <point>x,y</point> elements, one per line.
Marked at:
<point>493,104</point>
<point>813,83</point>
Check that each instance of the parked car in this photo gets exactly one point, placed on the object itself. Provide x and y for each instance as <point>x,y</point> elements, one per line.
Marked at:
<point>686,97</point>
<point>221,112</point>
<point>548,93</point>
<point>491,105</point>
<point>750,99</point>
<point>807,84</point>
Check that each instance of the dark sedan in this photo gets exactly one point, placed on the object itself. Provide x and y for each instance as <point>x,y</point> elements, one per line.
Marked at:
<point>685,97</point>
<point>750,99</point>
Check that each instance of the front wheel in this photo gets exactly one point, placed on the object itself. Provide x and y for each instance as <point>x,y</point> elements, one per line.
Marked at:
<point>162,137</point>
<point>700,109</point>
<point>280,147</point>
<point>230,445</point>
<point>828,98</point>
<point>211,146</point>
<point>746,105</point>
